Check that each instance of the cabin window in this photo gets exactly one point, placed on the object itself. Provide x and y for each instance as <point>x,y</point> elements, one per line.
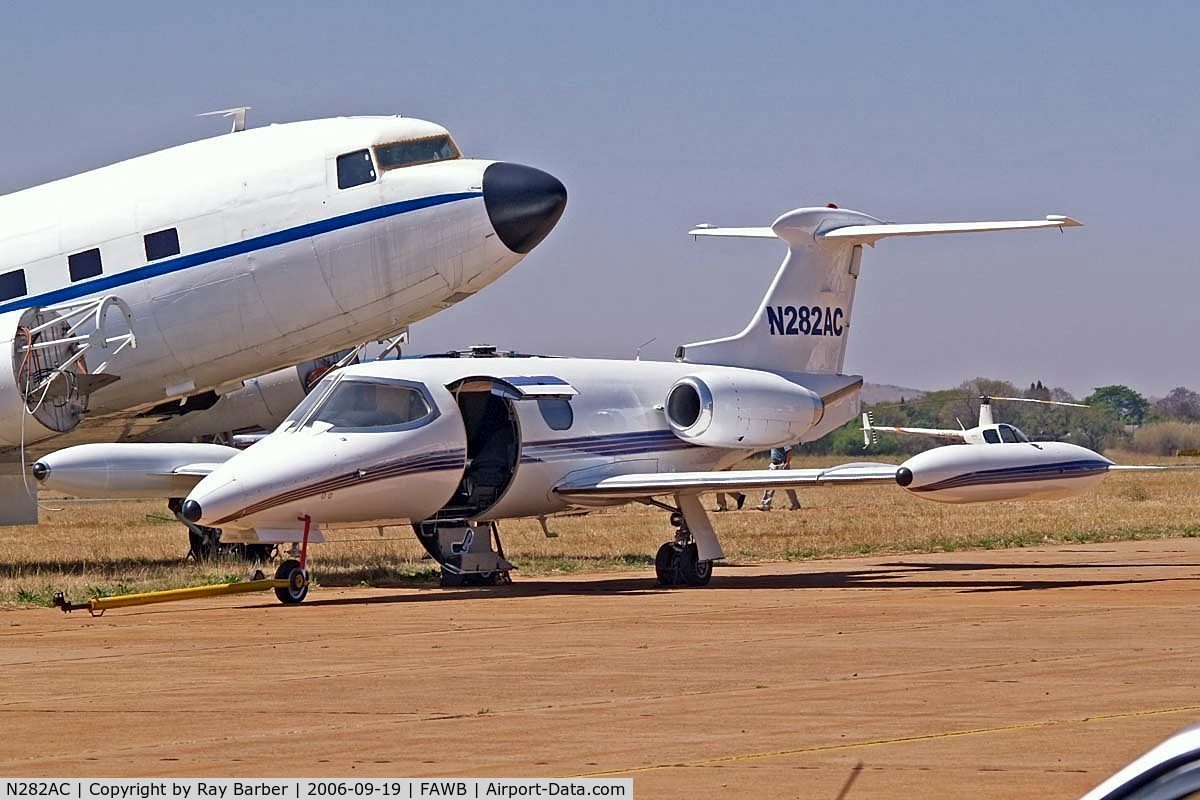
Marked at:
<point>557,412</point>
<point>1007,435</point>
<point>367,404</point>
<point>415,151</point>
<point>162,244</point>
<point>85,265</point>
<point>12,284</point>
<point>991,437</point>
<point>355,169</point>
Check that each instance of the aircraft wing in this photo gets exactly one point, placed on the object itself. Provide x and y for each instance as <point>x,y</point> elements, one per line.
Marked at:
<point>628,487</point>
<point>201,470</point>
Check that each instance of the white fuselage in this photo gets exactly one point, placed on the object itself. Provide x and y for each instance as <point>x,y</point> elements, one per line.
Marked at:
<point>346,476</point>
<point>276,263</point>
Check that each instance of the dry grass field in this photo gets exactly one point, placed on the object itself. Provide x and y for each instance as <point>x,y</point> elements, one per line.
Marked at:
<point>88,549</point>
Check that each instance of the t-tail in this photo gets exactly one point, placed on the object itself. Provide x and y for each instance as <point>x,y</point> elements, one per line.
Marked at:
<point>801,327</point>
<point>803,322</point>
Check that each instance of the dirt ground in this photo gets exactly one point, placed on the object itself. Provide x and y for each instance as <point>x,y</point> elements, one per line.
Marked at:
<point>992,674</point>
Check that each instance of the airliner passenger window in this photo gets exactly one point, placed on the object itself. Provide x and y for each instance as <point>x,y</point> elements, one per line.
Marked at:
<point>162,244</point>
<point>363,404</point>
<point>557,412</point>
<point>84,265</point>
<point>1007,435</point>
<point>415,151</point>
<point>991,437</point>
<point>12,284</point>
<point>355,169</point>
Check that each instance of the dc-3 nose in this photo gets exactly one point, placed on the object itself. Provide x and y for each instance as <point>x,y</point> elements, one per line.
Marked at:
<point>523,204</point>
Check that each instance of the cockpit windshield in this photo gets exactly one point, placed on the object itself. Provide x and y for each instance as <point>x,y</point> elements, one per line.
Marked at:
<point>1010,434</point>
<point>307,404</point>
<point>358,403</point>
<point>367,404</point>
<point>415,151</point>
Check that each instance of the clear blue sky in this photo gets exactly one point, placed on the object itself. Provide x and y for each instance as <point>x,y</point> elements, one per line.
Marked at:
<point>659,116</point>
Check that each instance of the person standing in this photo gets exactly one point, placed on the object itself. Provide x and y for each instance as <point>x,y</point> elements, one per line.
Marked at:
<point>723,503</point>
<point>781,458</point>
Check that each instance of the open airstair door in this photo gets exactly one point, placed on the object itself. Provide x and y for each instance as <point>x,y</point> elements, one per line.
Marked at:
<point>493,446</point>
<point>453,536</point>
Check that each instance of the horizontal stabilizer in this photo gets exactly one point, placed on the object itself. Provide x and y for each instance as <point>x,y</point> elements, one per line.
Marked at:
<point>736,233</point>
<point>869,234</point>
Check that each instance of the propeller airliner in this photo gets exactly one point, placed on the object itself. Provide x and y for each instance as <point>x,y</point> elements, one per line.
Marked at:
<point>149,289</point>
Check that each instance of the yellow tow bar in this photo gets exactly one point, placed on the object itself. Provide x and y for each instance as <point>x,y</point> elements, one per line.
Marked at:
<point>290,584</point>
<point>290,589</point>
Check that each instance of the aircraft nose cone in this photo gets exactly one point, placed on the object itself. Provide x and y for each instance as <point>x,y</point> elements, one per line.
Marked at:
<point>191,511</point>
<point>40,470</point>
<point>523,204</point>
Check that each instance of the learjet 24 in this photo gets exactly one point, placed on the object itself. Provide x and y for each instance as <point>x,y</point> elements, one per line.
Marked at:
<point>452,445</point>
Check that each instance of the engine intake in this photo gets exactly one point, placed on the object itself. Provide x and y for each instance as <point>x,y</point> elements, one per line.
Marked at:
<point>731,407</point>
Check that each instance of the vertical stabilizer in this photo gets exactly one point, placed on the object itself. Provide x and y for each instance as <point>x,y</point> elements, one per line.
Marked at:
<point>803,322</point>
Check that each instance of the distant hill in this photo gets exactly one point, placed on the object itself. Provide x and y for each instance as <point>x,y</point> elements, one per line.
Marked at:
<point>874,393</point>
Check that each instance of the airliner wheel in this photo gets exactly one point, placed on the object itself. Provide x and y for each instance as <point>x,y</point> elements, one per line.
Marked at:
<point>666,564</point>
<point>692,570</point>
<point>297,583</point>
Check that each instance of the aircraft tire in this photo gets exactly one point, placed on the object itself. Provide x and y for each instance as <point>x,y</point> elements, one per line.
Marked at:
<point>692,570</point>
<point>297,588</point>
<point>666,564</point>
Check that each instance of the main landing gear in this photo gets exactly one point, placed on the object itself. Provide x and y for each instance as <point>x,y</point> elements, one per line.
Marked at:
<point>678,562</point>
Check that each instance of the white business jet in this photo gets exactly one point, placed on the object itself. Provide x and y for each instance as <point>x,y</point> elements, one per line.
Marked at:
<point>453,445</point>
<point>988,431</point>
<point>152,286</point>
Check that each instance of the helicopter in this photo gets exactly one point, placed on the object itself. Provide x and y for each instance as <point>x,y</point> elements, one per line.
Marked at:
<point>988,431</point>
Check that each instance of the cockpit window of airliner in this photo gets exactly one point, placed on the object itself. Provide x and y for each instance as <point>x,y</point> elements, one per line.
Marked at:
<point>415,151</point>
<point>367,404</point>
<point>355,169</point>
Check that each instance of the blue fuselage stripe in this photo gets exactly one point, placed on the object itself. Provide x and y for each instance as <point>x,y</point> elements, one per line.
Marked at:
<point>1032,472</point>
<point>179,263</point>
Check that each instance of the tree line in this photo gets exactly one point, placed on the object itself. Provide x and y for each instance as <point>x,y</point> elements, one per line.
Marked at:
<point>1117,417</point>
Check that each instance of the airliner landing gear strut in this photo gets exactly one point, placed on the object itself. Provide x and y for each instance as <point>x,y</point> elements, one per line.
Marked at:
<point>688,559</point>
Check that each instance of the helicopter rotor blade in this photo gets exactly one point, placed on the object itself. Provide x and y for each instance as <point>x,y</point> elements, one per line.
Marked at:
<point>1043,402</point>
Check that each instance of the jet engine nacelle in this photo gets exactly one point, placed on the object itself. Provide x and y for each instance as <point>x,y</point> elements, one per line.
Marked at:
<point>730,407</point>
<point>1017,471</point>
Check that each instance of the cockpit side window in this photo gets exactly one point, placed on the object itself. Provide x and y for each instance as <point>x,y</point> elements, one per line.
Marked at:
<point>415,151</point>
<point>990,436</point>
<point>355,169</point>
<point>369,404</point>
<point>1007,434</point>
